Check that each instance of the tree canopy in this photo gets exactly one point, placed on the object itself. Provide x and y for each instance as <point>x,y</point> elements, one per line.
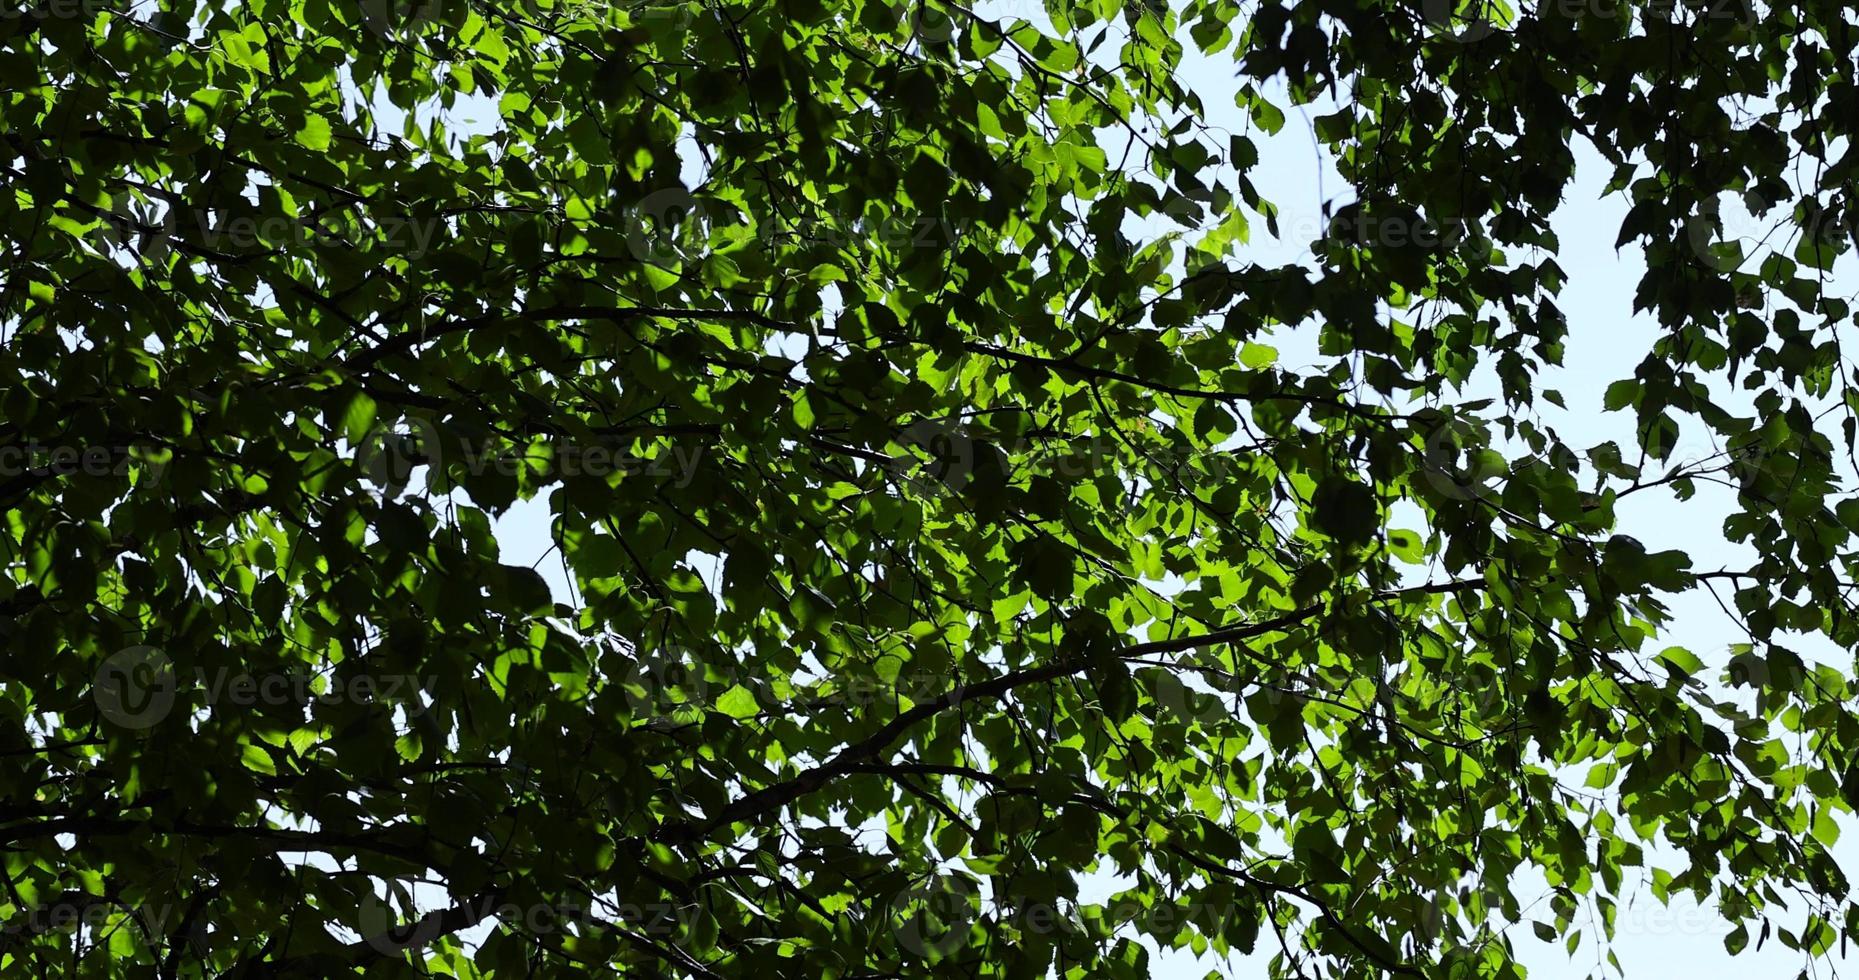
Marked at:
<point>932,539</point>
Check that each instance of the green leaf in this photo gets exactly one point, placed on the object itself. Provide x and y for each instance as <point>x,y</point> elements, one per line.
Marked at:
<point>358,418</point>
<point>1345,510</point>
<point>738,702</point>
<point>1681,660</point>
<point>315,133</point>
<point>1620,394</point>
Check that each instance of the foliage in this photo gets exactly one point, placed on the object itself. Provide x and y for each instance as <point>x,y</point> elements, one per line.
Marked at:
<point>931,539</point>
